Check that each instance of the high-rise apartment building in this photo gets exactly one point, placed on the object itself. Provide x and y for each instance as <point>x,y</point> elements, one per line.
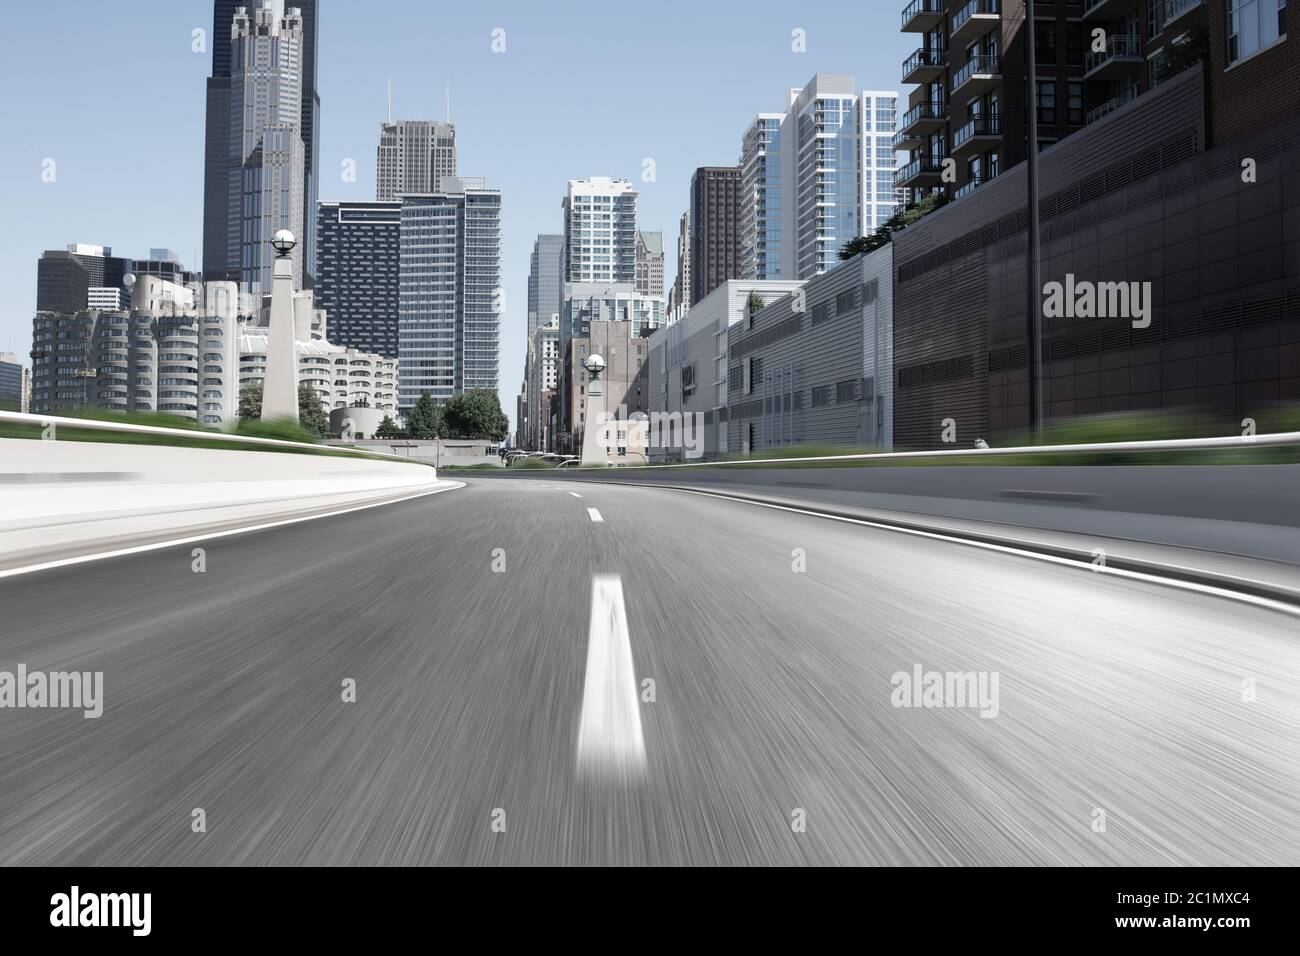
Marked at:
<point>359,272</point>
<point>449,291</point>
<point>814,177</point>
<point>220,261</point>
<point>545,281</point>
<point>414,156</point>
<point>715,228</point>
<point>650,263</point>
<point>970,105</point>
<point>599,230</point>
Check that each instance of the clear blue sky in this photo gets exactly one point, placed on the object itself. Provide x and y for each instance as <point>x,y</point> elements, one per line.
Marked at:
<point>113,93</point>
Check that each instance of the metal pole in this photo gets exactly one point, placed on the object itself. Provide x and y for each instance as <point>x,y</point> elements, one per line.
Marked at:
<point>1034,276</point>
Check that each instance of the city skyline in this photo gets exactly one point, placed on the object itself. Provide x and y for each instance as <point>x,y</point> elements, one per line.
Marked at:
<point>497,101</point>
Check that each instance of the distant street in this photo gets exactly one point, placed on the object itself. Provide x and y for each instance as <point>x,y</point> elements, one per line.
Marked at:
<point>500,714</point>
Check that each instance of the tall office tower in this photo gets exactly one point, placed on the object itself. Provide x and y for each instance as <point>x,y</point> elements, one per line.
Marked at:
<point>166,265</point>
<point>449,318</point>
<point>682,286</point>
<point>877,120</point>
<point>217,211</point>
<point>358,272</point>
<point>760,198</point>
<point>414,156</point>
<point>650,263</point>
<point>13,384</point>
<point>715,232</point>
<point>545,281</point>
<point>268,166</point>
<point>599,230</point>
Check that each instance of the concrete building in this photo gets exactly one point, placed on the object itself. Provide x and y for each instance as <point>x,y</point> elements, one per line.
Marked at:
<point>413,157</point>
<point>650,263</point>
<point>688,362</point>
<point>541,379</point>
<point>545,281</point>
<point>715,228</point>
<point>449,291</point>
<point>587,302</point>
<point>359,273</point>
<point>624,384</point>
<point>15,384</point>
<point>102,299</point>
<point>817,369</point>
<point>345,379</point>
<point>1148,193</point>
<point>599,230</point>
<point>218,263</point>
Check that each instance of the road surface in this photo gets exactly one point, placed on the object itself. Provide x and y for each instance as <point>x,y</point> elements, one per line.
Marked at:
<point>500,637</point>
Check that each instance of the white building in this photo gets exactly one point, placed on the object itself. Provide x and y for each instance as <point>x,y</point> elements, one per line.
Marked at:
<point>104,298</point>
<point>414,157</point>
<point>600,230</point>
<point>815,176</point>
<point>688,360</point>
<point>342,377</point>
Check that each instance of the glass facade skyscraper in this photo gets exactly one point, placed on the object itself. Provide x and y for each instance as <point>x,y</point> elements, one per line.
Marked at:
<point>449,292</point>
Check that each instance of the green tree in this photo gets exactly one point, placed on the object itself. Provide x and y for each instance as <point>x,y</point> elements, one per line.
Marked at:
<point>755,302</point>
<point>899,221</point>
<point>476,414</point>
<point>425,420</point>
<point>311,413</point>
<point>388,429</point>
<point>250,402</point>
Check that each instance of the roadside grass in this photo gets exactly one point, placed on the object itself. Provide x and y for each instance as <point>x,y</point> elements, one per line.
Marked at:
<point>202,438</point>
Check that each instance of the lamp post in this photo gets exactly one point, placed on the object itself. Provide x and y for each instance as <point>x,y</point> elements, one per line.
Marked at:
<point>593,452</point>
<point>280,389</point>
<point>1033,275</point>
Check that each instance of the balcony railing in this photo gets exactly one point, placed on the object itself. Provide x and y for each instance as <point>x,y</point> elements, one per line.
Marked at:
<point>962,20</point>
<point>927,165</point>
<point>1119,47</point>
<point>923,112</point>
<point>922,15</point>
<point>1107,108</point>
<point>923,62</point>
<point>977,126</point>
<point>1174,9</point>
<point>978,66</point>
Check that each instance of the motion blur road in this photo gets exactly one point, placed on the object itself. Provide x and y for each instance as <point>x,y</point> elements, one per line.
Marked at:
<point>480,701</point>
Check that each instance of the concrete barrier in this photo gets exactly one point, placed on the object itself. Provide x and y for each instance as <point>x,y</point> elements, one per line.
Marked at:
<point>64,499</point>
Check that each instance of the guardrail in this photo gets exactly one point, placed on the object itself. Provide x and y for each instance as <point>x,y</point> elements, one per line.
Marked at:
<point>91,424</point>
<point>1131,447</point>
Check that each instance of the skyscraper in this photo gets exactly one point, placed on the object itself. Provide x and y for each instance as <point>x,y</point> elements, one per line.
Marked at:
<point>680,302</point>
<point>449,291</point>
<point>600,230</point>
<point>814,177</point>
<point>650,263</point>
<point>715,232</point>
<point>358,272</point>
<point>255,66</point>
<point>545,281</point>
<point>414,156</point>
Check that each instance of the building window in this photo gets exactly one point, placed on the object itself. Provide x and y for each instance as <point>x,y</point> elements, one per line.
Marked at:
<point>1075,103</point>
<point>1045,42</point>
<point>1254,25</point>
<point>1074,44</point>
<point>1046,101</point>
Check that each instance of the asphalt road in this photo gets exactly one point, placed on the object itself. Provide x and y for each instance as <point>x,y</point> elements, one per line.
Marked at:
<point>498,715</point>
